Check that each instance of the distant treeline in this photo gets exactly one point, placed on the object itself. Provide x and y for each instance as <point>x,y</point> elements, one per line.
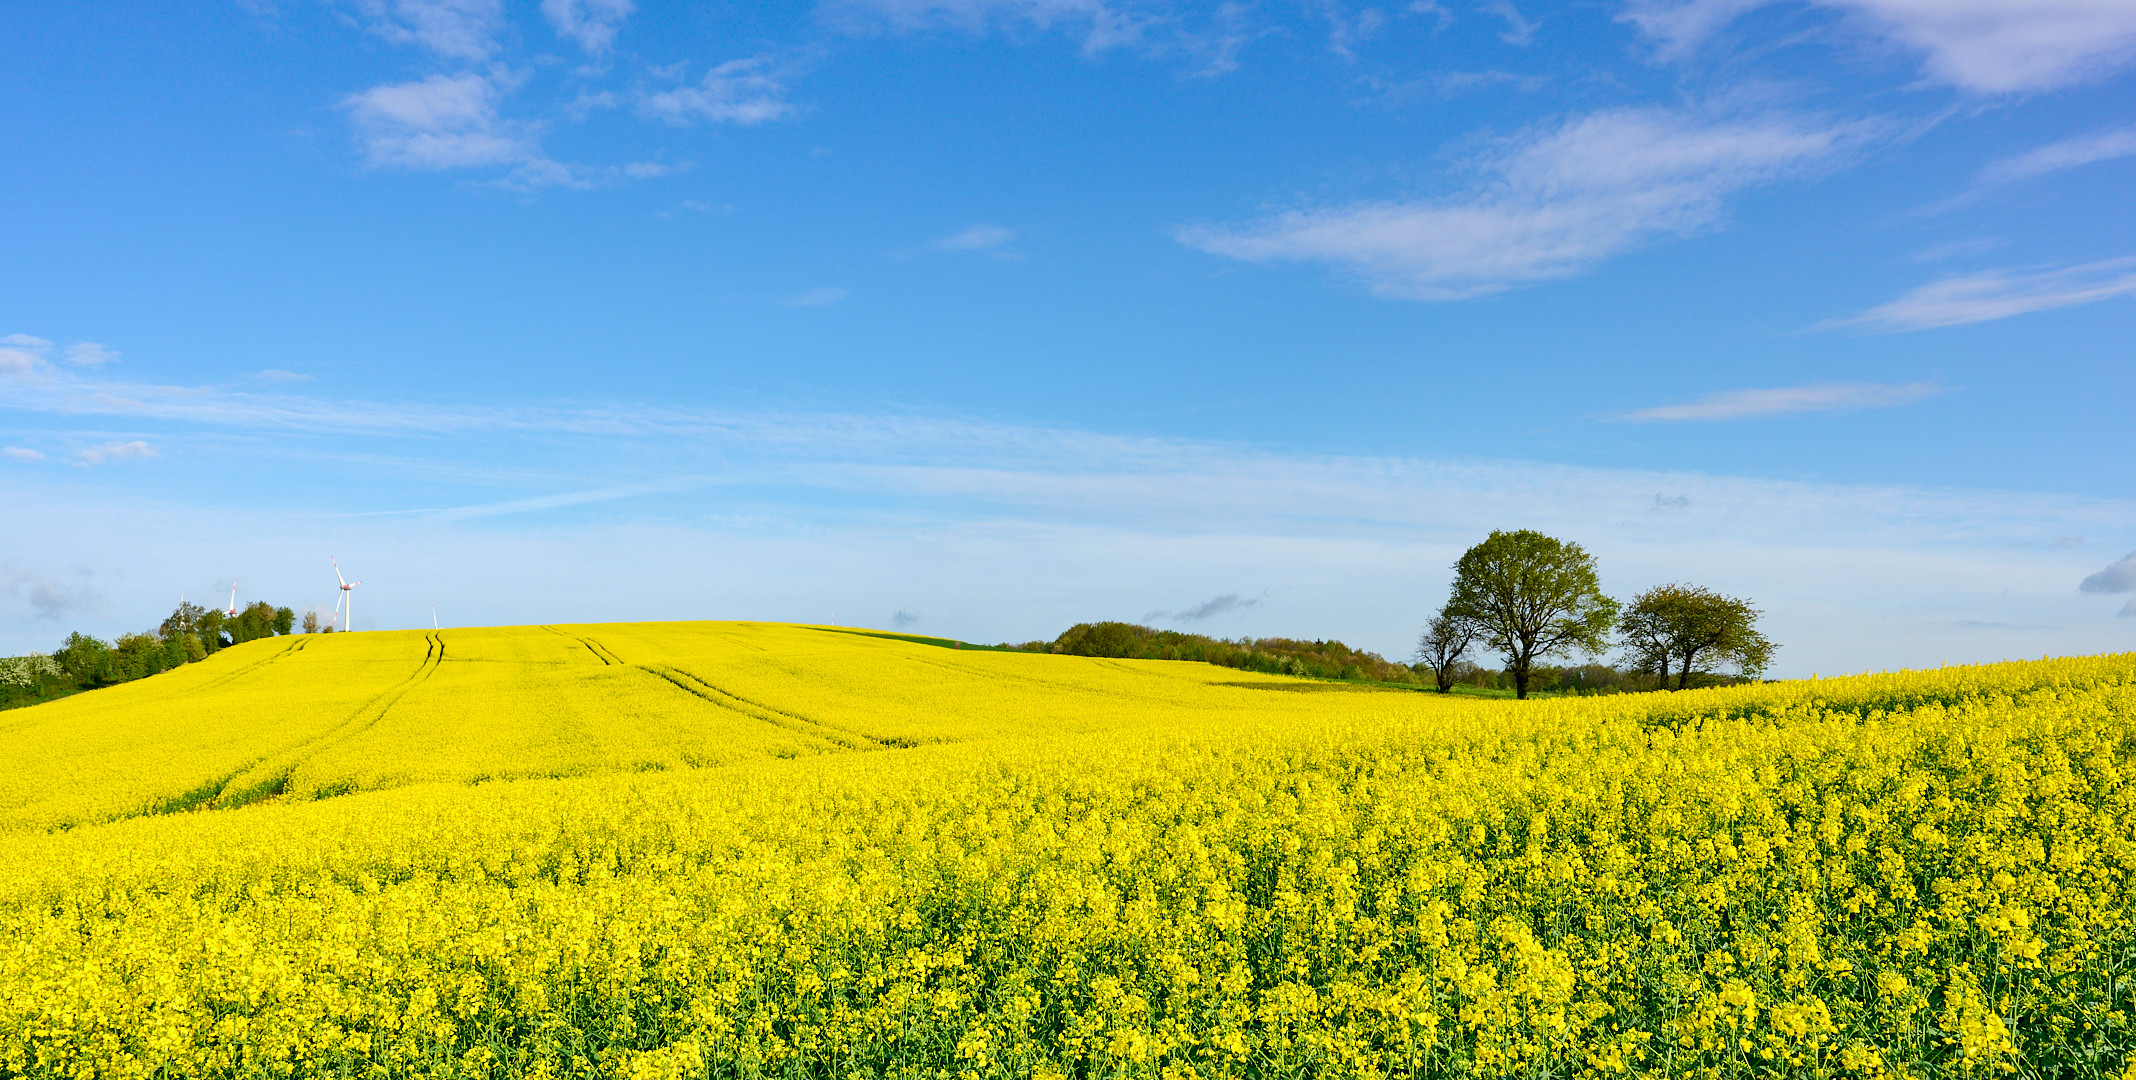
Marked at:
<point>1323,660</point>
<point>84,662</point>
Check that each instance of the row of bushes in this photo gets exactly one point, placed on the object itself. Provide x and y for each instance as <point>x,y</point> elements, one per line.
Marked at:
<point>1322,660</point>
<point>84,662</point>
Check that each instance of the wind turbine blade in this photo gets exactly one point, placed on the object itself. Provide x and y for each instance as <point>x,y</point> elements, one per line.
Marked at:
<point>337,574</point>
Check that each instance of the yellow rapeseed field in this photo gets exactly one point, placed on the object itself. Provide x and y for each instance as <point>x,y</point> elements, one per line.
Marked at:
<point>720,849</point>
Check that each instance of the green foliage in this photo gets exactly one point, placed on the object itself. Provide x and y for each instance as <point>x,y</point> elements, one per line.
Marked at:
<point>1276,656</point>
<point>1531,597</point>
<point>259,620</point>
<point>1691,629</point>
<point>83,662</point>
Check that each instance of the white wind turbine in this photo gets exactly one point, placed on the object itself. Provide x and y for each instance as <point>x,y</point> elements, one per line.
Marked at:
<point>345,604</point>
<point>233,601</point>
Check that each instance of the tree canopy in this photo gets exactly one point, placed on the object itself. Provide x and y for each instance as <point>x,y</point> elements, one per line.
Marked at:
<point>1529,597</point>
<point>1691,629</point>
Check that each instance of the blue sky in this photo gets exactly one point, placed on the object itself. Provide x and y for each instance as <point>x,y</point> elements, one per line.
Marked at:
<point>980,318</point>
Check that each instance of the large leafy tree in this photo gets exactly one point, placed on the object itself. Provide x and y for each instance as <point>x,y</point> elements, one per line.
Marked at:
<point>1692,630</point>
<point>1531,597</point>
<point>1445,640</point>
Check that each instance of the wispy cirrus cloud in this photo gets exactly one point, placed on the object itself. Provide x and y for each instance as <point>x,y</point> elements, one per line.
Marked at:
<point>838,518</point>
<point>590,23</point>
<point>1779,401</point>
<point>21,453</point>
<point>1546,204</point>
<point>2056,157</point>
<point>439,122</point>
<point>106,453</point>
<point>1986,46</point>
<point>1209,40</point>
<point>22,353</point>
<point>748,91</point>
<point>1518,31</point>
<point>90,354</point>
<point>1105,25</point>
<point>976,238</point>
<point>457,29</point>
<point>27,353</point>
<point>823,297</point>
<point>1996,294</point>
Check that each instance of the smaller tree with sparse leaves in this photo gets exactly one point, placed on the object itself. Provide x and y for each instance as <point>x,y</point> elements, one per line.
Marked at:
<point>1443,644</point>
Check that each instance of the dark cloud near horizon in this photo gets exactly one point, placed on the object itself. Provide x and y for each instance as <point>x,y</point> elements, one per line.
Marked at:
<point>1215,605</point>
<point>903,619</point>
<point>2119,577</point>
<point>48,599</point>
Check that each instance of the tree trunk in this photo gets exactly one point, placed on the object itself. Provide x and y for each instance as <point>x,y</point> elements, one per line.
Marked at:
<point>1683,674</point>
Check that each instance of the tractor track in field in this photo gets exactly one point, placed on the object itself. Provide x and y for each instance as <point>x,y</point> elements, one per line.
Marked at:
<point>269,776</point>
<point>732,702</point>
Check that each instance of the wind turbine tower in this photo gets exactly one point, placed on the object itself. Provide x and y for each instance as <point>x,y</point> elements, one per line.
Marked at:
<point>346,604</point>
<point>233,601</point>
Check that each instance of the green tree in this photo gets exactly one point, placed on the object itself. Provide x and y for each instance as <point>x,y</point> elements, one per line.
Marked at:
<point>311,621</point>
<point>85,660</point>
<point>136,656</point>
<point>285,620</point>
<point>1531,597</point>
<point>1443,644</point>
<point>1692,629</point>
<point>212,631</point>
<point>256,621</point>
<point>187,619</point>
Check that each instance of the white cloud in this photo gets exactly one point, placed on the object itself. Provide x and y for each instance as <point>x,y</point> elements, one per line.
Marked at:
<point>1108,25</point>
<point>999,532</point>
<point>1987,46</point>
<point>1546,204</point>
<point>23,354</point>
<point>2067,154</point>
<point>20,453</point>
<point>441,122</point>
<point>105,453</point>
<point>1997,294</point>
<point>1519,31</point>
<point>591,23</point>
<point>1816,397</point>
<point>976,238</point>
<point>748,91</point>
<point>1008,533</point>
<point>90,354</point>
<point>816,298</point>
<point>2119,577</point>
<point>279,375</point>
<point>460,29</point>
